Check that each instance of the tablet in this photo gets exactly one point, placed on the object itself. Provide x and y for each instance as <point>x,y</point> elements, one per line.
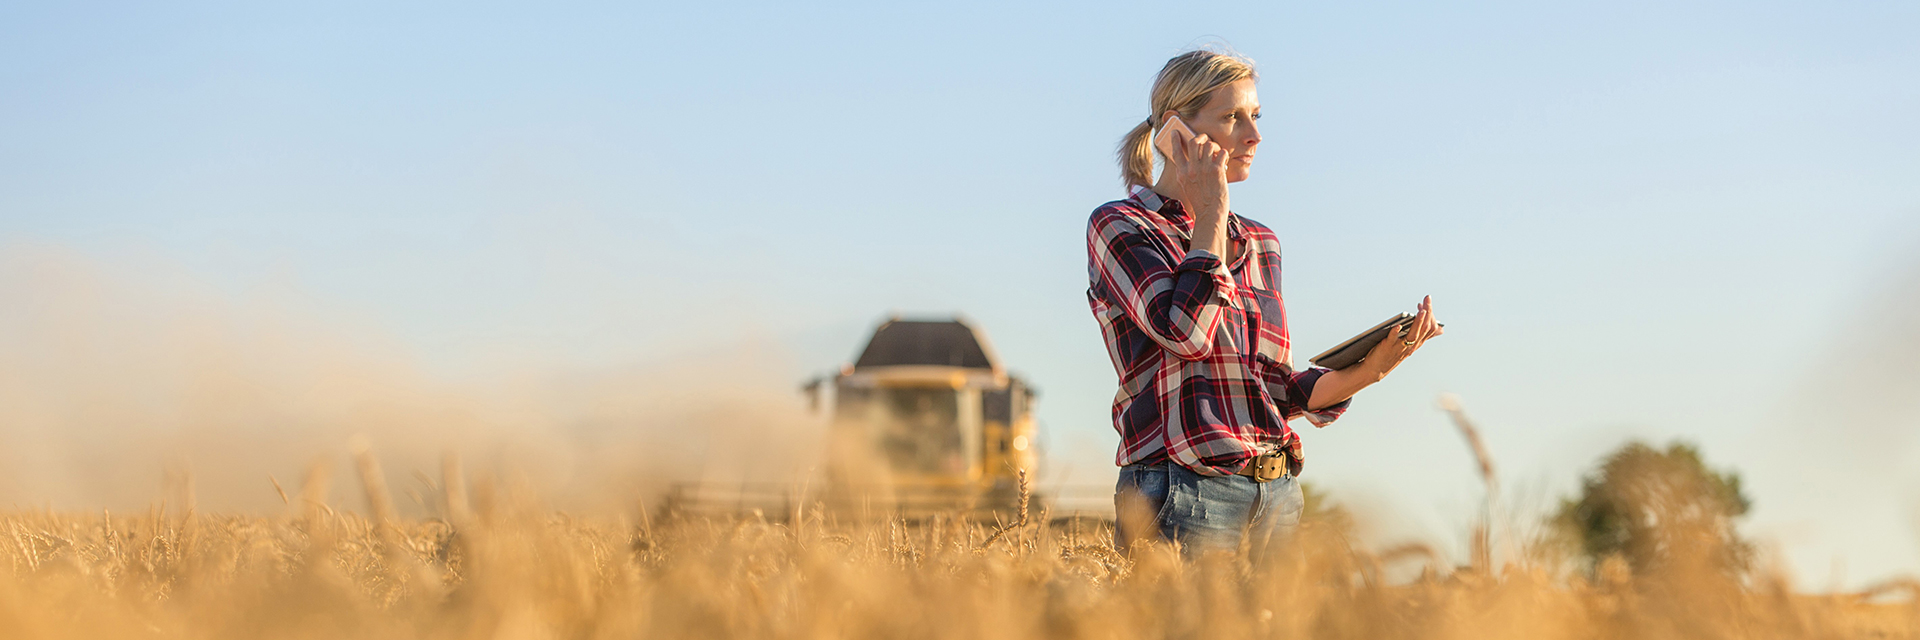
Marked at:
<point>1355,349</point>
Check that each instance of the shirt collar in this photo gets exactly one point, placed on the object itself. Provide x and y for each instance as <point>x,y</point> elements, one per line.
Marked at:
<point>1173,210</point>
<point>1148,198</point>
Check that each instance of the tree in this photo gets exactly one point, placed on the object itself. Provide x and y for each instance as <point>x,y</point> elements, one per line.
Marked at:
<point>1653,508</point>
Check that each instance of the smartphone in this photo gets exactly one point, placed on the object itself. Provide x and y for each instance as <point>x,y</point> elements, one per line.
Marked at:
<point>1164,141</point>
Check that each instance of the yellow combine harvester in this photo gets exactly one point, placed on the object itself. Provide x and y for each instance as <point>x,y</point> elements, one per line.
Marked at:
<point>928,412</point>
<point>926,420</point>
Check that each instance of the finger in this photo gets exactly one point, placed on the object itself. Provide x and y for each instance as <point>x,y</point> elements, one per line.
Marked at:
<point>1434,318</point>
<point>1198,150</point>
<point>1390,351</point>
<point>1417,328</point>
<point>1393,348</point>
<point>1429,329</point>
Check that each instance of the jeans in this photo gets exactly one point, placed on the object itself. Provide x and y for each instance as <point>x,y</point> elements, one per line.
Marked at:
<point>1204,513</point>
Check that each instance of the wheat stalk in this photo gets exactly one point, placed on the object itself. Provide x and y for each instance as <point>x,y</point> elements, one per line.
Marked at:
<point>1025,494</point>
<point>1483,542</point>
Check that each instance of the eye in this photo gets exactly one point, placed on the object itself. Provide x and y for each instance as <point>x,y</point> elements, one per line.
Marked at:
<point>1256,116</point>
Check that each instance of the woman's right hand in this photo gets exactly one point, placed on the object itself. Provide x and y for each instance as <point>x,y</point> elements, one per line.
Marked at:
<point>1200,166</point>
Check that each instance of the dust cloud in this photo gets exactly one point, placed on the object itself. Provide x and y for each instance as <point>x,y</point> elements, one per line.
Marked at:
<point>121,388</point>
<point>1846,472</point>
<point>1864,398</point>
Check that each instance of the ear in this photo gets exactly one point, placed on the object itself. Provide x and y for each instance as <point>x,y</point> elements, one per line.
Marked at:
<point>1168,115</point>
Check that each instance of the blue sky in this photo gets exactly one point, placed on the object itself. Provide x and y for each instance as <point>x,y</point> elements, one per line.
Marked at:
<point>1638,219</point>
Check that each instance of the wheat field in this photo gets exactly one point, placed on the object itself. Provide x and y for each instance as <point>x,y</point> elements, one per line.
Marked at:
<point>506,567</point>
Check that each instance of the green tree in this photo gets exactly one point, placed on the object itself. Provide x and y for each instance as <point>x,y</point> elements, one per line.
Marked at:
<point>1654,507</point>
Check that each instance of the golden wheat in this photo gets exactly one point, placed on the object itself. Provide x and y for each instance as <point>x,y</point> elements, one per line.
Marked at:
<point>517,571</point>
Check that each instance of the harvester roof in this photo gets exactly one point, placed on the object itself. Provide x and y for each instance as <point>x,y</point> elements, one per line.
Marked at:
<point>943,343</point>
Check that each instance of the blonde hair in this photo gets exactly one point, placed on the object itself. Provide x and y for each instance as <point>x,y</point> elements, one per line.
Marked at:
<point>1183,87</point>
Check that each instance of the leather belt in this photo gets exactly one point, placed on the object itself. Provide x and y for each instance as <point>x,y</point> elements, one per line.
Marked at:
<point>1266,467</point>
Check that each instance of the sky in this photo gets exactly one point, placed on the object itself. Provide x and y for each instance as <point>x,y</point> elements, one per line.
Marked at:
<point>1655,220</point>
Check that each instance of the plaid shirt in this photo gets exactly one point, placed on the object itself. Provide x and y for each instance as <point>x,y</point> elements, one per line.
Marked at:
<point>1201,347</point>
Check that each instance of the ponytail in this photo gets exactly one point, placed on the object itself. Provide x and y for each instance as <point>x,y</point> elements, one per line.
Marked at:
<point>1136,155</point>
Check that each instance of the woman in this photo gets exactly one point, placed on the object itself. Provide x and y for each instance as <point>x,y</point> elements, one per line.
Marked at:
<point>1200,341</point>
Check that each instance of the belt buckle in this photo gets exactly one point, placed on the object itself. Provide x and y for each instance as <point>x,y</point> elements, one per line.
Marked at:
<point>1268,467</point>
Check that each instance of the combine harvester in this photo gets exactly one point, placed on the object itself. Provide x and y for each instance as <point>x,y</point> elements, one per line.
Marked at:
<point>925,422</point>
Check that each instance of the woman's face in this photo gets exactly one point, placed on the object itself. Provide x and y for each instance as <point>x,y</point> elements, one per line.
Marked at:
<point>1228,120</point>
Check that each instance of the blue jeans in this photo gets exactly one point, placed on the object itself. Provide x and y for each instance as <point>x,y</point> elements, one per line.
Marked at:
<point>1204,513</point>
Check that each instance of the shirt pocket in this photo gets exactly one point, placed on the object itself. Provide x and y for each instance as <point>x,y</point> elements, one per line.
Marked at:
<point>1268,326</point>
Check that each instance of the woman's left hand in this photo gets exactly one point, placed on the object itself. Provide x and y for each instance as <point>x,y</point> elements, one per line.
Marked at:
<point>1337,386</point>
<point>1402,343</point>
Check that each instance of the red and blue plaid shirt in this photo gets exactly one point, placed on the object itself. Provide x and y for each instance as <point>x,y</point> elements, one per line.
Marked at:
<point>1201,346</point>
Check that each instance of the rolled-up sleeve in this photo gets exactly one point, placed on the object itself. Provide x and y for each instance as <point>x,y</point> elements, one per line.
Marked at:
<point>1294,389</point>
<point>1178,305</point>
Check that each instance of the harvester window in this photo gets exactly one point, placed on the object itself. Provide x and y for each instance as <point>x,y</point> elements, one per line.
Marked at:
<point>922,431</point>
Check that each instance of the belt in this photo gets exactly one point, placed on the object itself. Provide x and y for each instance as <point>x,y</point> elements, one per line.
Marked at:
<point>1266,467</point>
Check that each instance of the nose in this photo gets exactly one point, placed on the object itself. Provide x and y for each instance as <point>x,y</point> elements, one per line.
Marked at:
<point>1253,133</point>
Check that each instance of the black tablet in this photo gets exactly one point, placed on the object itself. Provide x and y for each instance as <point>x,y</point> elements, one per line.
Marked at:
<point>1355,349</point>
